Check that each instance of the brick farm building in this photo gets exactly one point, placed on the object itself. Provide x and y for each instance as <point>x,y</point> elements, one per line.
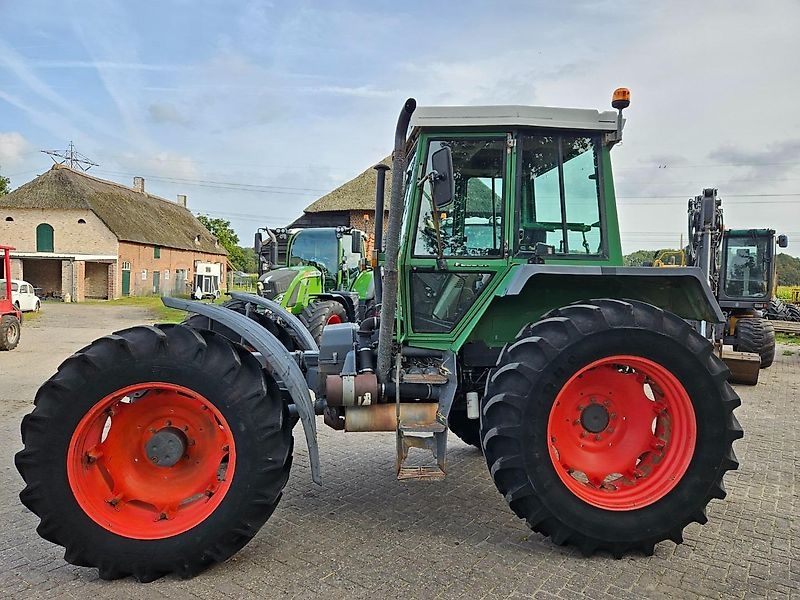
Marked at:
<point>79,236</point>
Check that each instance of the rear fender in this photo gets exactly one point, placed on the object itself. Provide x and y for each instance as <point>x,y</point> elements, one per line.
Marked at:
<point>279,362</point>
<point>683,291</point>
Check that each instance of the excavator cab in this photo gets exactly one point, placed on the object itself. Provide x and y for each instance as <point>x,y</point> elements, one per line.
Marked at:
<point>747,268</point>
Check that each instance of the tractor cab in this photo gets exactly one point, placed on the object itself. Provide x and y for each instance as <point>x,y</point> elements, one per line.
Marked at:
<point>747,267</point>
<point>491,187</point>
<point>334,255</point>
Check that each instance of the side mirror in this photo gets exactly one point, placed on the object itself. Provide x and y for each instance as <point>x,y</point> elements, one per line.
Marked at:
<point>442,183</point>
<point>358,243</point>
<point>258,242</point>
<point>783,241</point>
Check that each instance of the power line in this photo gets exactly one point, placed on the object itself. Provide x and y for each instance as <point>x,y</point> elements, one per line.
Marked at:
<point>668,166</point>
<point>252,187</point>
<point>726,196</point>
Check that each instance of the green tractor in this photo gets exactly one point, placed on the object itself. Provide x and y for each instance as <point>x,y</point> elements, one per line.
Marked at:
<point>606,421</point>
<point>318,274</point>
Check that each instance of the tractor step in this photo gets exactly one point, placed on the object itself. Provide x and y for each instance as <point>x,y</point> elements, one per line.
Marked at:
<point>424,436</point>
<point>423,428</point>
<point>428,473</point>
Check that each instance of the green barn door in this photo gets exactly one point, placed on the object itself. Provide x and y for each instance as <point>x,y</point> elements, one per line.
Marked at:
<point>126,282</point>
<point>44,238</point>
<point>156,282</point>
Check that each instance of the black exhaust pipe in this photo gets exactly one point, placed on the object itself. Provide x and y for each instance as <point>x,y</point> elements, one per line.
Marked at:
<point>380,187</point>
<point>389,295</point>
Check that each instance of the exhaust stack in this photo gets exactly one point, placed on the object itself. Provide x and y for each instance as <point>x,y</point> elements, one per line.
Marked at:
<point>389,284</point>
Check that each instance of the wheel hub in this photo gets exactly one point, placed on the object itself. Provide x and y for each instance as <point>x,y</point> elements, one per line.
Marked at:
<point>594,418</point>
<point>166,447</point>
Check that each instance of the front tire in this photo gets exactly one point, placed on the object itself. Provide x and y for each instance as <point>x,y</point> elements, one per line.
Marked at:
<point>277,329</point>
<point>467,430</point>
<point>155,450</point>
<point>608,425</point>
<point>758,337</point>
<point>320,313</point>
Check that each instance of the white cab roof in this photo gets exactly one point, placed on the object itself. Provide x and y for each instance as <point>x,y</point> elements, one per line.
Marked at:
<point>521,116</point>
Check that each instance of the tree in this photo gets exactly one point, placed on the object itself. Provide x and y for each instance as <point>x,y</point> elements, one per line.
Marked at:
<point>788,268</point>
<point>222,230</point>
<point>5,185</point>
<point>638,258</point>
<point>250,260</point>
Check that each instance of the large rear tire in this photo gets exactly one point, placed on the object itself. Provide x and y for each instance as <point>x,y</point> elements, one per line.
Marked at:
<point>608,425</point>
<point>757,336</point>
<point>10,332</point>
<point>155,450</point>
<point>320,313</point>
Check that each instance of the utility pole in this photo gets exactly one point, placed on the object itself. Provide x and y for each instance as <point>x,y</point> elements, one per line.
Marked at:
<point>71,157</point>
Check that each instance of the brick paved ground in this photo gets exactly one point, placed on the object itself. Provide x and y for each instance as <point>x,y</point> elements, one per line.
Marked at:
<point>365,535</point>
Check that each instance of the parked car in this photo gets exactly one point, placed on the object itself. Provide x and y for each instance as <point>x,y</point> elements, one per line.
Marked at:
<point>23,296</point>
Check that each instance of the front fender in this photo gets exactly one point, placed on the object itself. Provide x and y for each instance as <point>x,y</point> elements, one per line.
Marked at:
<point>291,320</point>
<point>279,360</point>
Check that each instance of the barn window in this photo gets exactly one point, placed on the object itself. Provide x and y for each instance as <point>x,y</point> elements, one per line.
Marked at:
<point>44,238</point>
<point>144,274</point>
<point>156,251</point>
<point>81,221</point>
<point>126,266</point>
<point>10,219</point>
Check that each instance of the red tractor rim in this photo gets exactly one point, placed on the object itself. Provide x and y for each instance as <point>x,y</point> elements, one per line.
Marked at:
<point>113,460</point>
<point>334,320</point>
<point>622,433</point>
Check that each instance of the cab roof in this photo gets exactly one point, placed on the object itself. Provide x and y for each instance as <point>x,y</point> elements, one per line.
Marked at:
<point>513,115</point>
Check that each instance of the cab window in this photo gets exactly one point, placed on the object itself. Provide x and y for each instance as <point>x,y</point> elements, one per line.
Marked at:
<point>560,194</point>
<point>472,225</point>
<point>746,267</point>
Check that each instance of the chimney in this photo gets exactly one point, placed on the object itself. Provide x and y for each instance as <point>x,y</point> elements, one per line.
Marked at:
<point>182,200</point>
<point>138,184</point>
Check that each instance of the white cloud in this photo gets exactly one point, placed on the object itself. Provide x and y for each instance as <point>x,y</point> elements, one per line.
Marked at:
<point>13,148</point>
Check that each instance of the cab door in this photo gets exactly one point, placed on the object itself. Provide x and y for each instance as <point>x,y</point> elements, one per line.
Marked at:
<point>454,255</point>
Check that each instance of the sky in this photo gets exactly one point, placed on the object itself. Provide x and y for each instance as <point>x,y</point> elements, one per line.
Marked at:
<point>255,109</point>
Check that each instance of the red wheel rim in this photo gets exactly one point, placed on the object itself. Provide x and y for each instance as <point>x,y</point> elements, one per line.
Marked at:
<point>333,320</point>
<point>111,468</point>
<point>621,433</point>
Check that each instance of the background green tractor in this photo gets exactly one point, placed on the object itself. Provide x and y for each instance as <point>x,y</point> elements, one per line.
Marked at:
<point>605,419</point>
<point>318,274</point>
